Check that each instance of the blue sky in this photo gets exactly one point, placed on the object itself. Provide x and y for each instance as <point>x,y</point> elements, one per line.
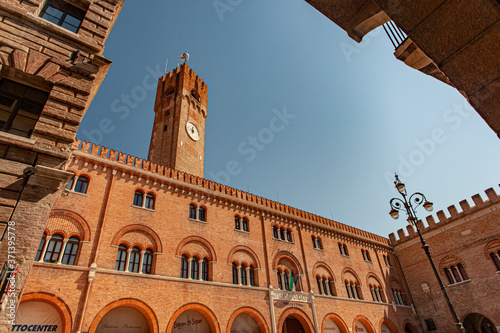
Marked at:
<point>355,114</point>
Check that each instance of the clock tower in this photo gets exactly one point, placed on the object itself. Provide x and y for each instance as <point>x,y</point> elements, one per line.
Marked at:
<point>178,137</point>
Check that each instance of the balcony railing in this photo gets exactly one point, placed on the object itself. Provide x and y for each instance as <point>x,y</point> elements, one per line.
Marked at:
<point>395,34</point>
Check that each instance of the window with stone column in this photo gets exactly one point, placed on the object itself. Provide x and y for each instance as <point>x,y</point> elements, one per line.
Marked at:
<point>492,252</point>
<point>453,268</point>
<point>376,290</point>
<point>324,280</point>
<point>58,249</point>
<point>287,274</point>
<point>352,284</point>
<point>397,292</point>
<point>134,259</point>
<point>137,246</point>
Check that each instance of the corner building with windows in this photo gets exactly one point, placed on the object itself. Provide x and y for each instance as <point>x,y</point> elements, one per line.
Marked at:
<point>143,246</point>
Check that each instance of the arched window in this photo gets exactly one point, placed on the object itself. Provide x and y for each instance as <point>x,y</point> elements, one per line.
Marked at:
<point>387,261</point>
<point>280,283</point>
<point>70,252</point>
<point>398,297</point>
<point>377,292</point>
<point>202,214</point>
<point>289,236</point>
<point>275,232</point>
<point>314,241</point>
<point>456,274</point>
<point>282,234</point>
<point>135,259</point>
<point>495,256</point>
<point>320,245</point>
<point>69,187</point>
<point>343,250</point>
<point>184,267</point>
<point>192,211</point>
<point>195,267</point>
<point>243,273</point>
<point>366,255</point>
<point>204,269</point>
<point>244,224</point>
<point>53,249</point>
<point>235,273</point>
<point>251,276</point>
<point>121,258</point>
<point>150,201</point>
<point>237,225</point>
<point>138,197</point>
<point>40,248</point>
<point>81,184</point>
<point>147,262</point>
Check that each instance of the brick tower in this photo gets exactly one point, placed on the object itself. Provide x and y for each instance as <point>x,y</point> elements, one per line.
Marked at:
<point>178,137</point>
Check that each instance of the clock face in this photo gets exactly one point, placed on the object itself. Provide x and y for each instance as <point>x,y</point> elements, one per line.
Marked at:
<point>192,131</point>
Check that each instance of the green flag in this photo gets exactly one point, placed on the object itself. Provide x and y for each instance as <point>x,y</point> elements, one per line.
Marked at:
<point>291,281</point>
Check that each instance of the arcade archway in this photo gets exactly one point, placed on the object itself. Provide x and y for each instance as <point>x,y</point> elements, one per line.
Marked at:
<point>193,318</point>
<point>362,325</point>
<point>128,313</point>
<point>477,323</point>
<point>294,321</point>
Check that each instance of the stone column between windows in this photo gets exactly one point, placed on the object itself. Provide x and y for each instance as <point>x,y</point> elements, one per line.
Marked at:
<point>321,291</point>
<point>141,261</point>
<point>355,291</point>
<point>328,291</point>
<point>283,280</point>
<point>200,269</point>
<point>247,269</point>
<point>238,270</point>
<point>189,268</point>
<point>459,274</point>
<point>63,248</point>
<point>45,246</point>
<point>379,295</point>
<point>348,288</point>
<point>127,262</point>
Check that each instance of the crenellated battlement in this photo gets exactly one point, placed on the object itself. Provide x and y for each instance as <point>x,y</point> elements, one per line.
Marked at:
<point>442,220</point>
<point>142,164</point>
<point>185,69</point>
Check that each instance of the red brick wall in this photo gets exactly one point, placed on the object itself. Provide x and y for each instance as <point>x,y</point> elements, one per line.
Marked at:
<point>168,224</point>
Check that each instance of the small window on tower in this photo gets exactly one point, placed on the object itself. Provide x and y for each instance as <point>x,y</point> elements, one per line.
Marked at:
<point>167,114</point>
<point>164,128</point>
<point>195,95</point>
<point>169,91</point>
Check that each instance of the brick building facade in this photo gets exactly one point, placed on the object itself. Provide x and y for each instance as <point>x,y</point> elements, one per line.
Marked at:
<point>51,66</point>
<point>136,246</point>
<point>466,250</point>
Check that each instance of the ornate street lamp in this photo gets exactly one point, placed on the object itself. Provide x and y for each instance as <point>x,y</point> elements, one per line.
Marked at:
<point>408,205</point>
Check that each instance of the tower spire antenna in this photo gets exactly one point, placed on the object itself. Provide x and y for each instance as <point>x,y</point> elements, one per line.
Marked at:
<point>166,64</point>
